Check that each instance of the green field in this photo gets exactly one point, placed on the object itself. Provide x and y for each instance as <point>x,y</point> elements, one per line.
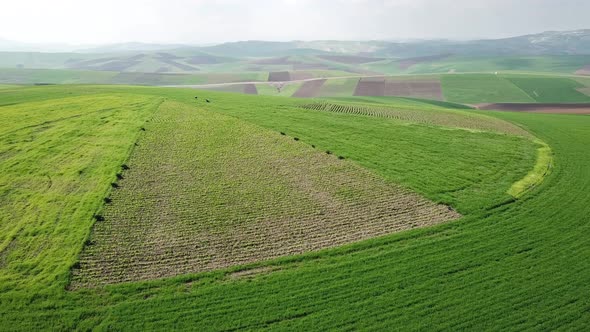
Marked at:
<point>490,88</point>
<point>564,64</point>
<point>507,264</point>
<point>551,90</point>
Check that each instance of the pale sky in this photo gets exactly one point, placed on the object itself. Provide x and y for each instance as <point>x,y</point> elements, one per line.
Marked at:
<point>208,21</point>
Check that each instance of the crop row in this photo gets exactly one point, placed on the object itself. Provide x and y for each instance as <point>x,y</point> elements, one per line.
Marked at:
<point>205,191</point>
<point>453,119</point>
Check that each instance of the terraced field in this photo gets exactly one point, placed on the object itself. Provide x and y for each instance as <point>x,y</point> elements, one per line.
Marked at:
<point>508,264</point>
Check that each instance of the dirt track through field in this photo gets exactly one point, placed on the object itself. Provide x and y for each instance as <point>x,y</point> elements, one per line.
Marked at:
<point>309,89</point>
<point>538,108</point>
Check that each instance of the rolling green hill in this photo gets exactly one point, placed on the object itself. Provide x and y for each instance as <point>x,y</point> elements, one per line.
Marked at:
<point>506,264</point>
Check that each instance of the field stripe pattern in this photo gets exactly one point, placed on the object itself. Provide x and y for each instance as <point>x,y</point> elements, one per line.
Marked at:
<point>463,120</point>
<point>242,195</point>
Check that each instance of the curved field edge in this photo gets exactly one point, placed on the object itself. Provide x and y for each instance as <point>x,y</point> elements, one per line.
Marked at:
<point>540,171</point>
<point>440,117</point>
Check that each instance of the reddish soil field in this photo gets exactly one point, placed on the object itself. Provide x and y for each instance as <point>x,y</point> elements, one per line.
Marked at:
<point>407,63</point>
<point>309,89</point>
<point>584,71</point>
<point>370,87</point>
<point>279,76</point>
<point>429,89</point>
<point>250,89</point>
<point>301,75</point>
<point>348,59</point>
<point>538,108</point>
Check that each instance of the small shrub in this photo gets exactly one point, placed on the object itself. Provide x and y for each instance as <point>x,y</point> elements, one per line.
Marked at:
<point>107,200</point>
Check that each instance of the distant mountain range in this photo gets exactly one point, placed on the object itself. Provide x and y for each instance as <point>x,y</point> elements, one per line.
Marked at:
<point>546,43</point>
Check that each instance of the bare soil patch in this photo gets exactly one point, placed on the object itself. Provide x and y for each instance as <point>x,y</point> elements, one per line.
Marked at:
<point>249,89</point>
<point>538,108</point>
<point>418,88</point>
<point>309,89</point>
<point>279,76</point>
<point>583,71</point>
<point>370,87</point>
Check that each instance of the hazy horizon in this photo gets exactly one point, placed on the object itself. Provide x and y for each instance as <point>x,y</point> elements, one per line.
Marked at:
<point>70,22</point>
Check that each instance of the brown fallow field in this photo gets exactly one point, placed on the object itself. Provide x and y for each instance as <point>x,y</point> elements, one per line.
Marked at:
<point>309,89</point>
<point>417,88</point>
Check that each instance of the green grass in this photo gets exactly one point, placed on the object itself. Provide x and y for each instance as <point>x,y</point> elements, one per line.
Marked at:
<point>481,88</point>
<point>516,266</point>
<point>551,90</point>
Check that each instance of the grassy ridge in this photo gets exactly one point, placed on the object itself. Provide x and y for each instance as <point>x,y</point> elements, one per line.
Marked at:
<point>516,266</point>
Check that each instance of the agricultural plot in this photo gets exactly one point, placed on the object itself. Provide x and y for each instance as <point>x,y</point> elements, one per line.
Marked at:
<point>309,89</point>
<point>206,191</point>
<point>449,118</point>
<point>481,88</point>
<point>400,87</point>
<point>73,145</point>
<point>338,87</point>
<point>551,89</point>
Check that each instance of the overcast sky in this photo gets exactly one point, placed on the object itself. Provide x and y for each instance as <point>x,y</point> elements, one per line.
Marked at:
<point>210,21</point>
